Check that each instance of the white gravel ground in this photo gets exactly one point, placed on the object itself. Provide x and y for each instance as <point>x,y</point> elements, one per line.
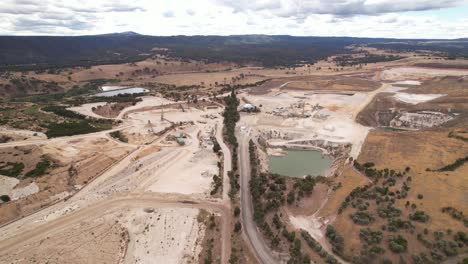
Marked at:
<point>416,98</point>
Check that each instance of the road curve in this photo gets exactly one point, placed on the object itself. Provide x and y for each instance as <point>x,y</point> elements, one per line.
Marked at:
<point>250,231</point>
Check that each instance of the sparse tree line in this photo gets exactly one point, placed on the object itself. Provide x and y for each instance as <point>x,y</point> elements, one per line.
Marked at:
<point>455,134</point>
<point>217,179</point>
<point>315,246</point>
<point>456,214</point>
<point>231,117</point>
<point>451,167</point>
<point>229,87</point>
<point>349,60</point>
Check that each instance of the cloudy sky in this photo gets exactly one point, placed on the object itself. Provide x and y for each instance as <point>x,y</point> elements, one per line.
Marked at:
<point>360,18</point>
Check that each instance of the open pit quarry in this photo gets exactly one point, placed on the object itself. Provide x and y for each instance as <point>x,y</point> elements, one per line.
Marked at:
<point>140,201</point>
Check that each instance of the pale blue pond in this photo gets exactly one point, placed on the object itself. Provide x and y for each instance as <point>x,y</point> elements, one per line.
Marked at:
<point>298,163</point>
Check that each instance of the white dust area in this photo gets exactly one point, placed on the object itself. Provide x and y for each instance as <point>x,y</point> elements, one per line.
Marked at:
<point>311,224</point>
<point>393,89</point>
<point>420,120</point>
<point>333,122</point>
<point>148,101</point>
<point>416,98</point>
<point>166,235</point>
<point>408,73</point>
<point>192,172</point>
<point>16,134</point>
<point>408,82</point>
<point>7,187</point>
<point>58,213</point>
<point>76,150</point>
<point>142,126</point>
<point>111,88</point>
<point>87,109</point>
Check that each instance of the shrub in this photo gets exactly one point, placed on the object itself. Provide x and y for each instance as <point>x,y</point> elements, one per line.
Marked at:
<point>370,237</point>
<point>216,147</point>
<point>362,218</point>
<point>40,169</point>
<point>290,236</point>
<point>397,244</point>
<point>237,227</point>
<point>305,185</point>
<point>315,246</point>
<point>62,111</point>
<point>70,129</point>
<point>461,237</point>
<point>291,197</point>
<point>388,211</point>
<point>236,211</point>
<point>5,198</point>
<point>419,216</point>
<point>336,240</point>
<point>12,169</point>
<point>119,136</point>
<point>394,224</point>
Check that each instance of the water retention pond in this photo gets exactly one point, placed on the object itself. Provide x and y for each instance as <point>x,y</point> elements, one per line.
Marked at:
<point>298,163</point>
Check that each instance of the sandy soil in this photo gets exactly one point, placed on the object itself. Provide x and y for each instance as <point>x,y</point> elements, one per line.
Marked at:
<point>155,227</point>
<point>86,109</point>
<point>148,101</point>
<point>411,73</point>
<point>98,240</point>
<point>18,134</point>
<point>8,187</point>
<point>166,235</point>
<point>416,98</point>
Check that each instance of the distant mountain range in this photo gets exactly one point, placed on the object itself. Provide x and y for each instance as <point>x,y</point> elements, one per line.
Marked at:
<point>25,52</point>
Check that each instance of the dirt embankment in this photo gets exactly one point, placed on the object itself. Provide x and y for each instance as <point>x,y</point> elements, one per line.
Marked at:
<point>451,100</point>
<point>111,110</point>
<point>73,164</point>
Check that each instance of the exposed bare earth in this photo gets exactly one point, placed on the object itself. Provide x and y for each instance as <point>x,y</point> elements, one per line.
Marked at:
<point>141,201</point>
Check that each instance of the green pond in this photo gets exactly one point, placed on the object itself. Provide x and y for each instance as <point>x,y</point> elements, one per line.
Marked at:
<point>298,163</point>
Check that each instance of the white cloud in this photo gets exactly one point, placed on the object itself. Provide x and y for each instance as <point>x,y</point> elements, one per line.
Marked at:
<point>361,18</point>
<point>169,13</point>
<point>301,8</point>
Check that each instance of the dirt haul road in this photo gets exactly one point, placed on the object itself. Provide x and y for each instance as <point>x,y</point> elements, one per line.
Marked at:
<point>227,161</point>
<point>254,238</point>
<point>143,200</point>
<point>125,186</point>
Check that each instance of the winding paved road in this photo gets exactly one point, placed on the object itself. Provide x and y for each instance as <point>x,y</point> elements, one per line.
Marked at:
<point>250,231</point>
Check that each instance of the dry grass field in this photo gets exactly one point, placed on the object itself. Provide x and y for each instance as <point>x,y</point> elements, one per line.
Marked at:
<point>430,191</point>
<point>348,180</point>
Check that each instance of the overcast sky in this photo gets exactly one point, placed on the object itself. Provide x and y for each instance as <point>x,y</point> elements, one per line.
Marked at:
<point>359,18</point>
